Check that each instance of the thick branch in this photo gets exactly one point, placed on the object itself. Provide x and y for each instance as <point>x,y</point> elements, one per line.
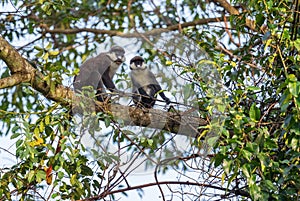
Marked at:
<point>175,122</point>
<point>233,11</point>
<point>230,9</point>
<point>14,79</point>
<point>132,35</point>
<point>10,56</point>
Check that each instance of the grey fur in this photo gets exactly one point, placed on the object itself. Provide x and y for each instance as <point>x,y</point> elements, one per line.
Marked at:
<point>145,86</point>
<point>99,71</point>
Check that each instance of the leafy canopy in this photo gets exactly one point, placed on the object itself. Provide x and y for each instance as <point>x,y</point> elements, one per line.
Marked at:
<point>253,49</point>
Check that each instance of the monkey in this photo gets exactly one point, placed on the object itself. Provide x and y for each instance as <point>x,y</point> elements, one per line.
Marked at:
<point>99,72</point>
<point>145,86</point>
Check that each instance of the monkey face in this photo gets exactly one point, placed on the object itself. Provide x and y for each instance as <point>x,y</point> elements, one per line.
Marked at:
<point>116,54</point>
<point>137,63</point>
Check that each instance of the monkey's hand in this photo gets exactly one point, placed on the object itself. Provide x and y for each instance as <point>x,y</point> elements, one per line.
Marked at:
<point>167,101</point>
<point>119,93</point>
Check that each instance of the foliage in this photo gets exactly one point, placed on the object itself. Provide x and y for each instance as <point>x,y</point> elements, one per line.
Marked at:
<point>249,74</point>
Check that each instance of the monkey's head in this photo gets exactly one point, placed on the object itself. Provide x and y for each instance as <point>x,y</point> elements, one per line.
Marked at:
<point>116,54</point>
<point>137,63</point>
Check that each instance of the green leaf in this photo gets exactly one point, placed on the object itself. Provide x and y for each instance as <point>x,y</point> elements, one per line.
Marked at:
<point>60,175</point>
<point>38,48</point>
<point>292,78</point>
<point>73,180</point>
<point>267,44</point>
<point>46,55</point>
<point>39,54</point>
<point>168,63</point>
<point>42,126</point>
<point>247,154</point>
<point>295,143</point>
<point>30,176</point>
<point>150,142</point>
<point>254,113</point>
<point>246,170</point>
<point>19,142</point>
<point>53,53</point>
<point>49,46</point>
<point>40,176</point>
<point>260,19</point>
<point>48,131</point>
<point>263,161</point>
<point>227,165</point>
<point>294,88</point>
<point>187,90</point>
<point>218,159</point>
<point>15,135</point>
<point>222,108</point>
<point>270,185</point>
<point>107,121</point>
<point>285,100</point>
<point>47,120</point>
<point>36,131</point>
<point>255,190</point>
<point>86,170</point>
<point>297,44</point>
<point>15,128</point>
<point>253,88</point>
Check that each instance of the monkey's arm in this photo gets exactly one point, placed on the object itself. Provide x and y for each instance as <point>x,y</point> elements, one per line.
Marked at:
<point>162,95</point>
<point>107,81</point>
<point>143,93</point>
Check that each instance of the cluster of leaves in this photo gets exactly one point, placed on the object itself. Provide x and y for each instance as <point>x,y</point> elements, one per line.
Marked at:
<point>48,153</point>
<point>261,143</point>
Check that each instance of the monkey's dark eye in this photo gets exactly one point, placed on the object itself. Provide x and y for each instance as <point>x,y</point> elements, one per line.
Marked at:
<point>138,63</point>
<point>120,52</point>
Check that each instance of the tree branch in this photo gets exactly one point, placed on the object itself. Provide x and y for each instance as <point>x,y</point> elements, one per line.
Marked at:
<point>14,79</point>
<point>230,9</point>
<point>233,11</point>
<point>103,195</point>
<point>175,122</point>
<point>134,34</point>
